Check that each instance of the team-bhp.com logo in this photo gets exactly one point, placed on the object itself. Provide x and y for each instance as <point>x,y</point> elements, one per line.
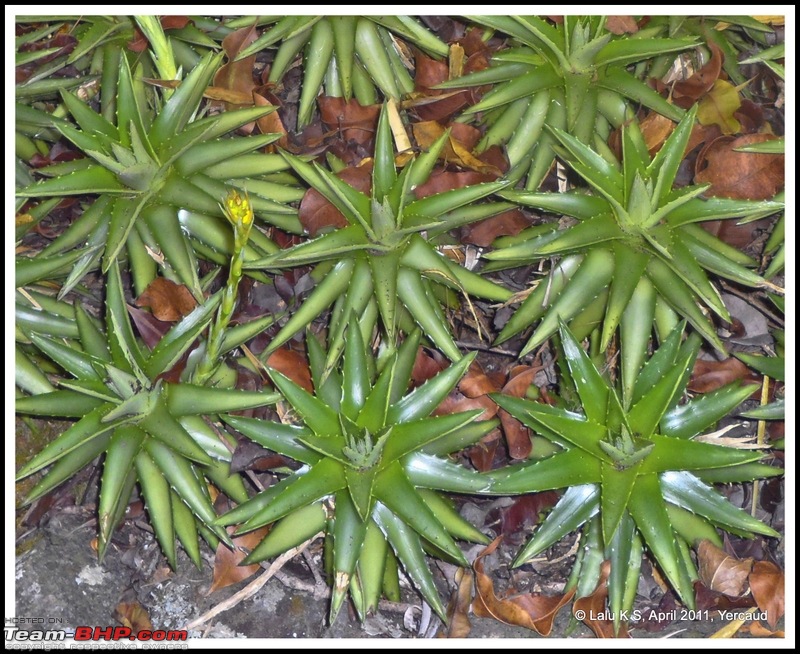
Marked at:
<point>14,634</point>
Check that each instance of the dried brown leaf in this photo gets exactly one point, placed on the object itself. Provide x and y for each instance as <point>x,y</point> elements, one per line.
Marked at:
<point>687,91</point>
<point>456,402</point>
<point>594,605</point>
<point>167,300</point>
<point>708,376</point>
<point>768,583</point>
<point>430,72</point>
<point>757,630</point>
<point>622,25</point>
<point>740,175</point>
<point>526,511</point>
<point>355,122</point>
<point>482,454</point>
<point>134,616</point>
<point>518,436</point>
<point>293,365</point>
<point>655,130</point>
<point>721,572</point>
<point>458,624</point>
<point>237,76</point>
<point>271,123</point>
<point>227,570</point>
<point>476,383</point>
<point>442,181</point>
<point>484,232</point>
<point>530,610</point>
<point>427,365</point>
<point>455,151</point>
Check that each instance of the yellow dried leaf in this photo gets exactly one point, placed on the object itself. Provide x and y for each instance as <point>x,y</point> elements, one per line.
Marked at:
<point>427,132</point>
<point>718,106</point>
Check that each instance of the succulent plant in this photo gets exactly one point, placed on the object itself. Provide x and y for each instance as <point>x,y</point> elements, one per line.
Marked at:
<point>638,467</point>
<point>572,76</point>
<point>635,255</point>
<point>351,55</point>
<point>150,431</point>
<point>143,170</point>
<point>372,462</point>
<point>386,263</point>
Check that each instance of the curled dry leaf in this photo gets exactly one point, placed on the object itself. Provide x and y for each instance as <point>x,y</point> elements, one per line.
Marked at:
<point>458,624</point>
<point>271,123</point>
<point>686,92</point>
<point>227,570</point>
<point>721,572</point>
<point>655,130</point>
<point>517,435</point>
<point>740,175</point>
<point>594,605</point>
<point>458,148</point>
<point>484,232</point>
<point>708,376</point>
<point>167,300</point>
<point>530,610</point>
<point>133,615</point>
<point>713,600</point>
<point>237,76</point>
<point>149,327</point>
<point>768,584</point>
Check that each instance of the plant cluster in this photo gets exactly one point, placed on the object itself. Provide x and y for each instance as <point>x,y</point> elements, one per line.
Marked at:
<point>166,188</point>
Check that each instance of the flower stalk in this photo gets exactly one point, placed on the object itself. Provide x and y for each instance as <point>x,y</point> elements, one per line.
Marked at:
<point>239,213</point>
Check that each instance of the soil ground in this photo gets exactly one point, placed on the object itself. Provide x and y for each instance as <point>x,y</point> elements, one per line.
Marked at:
<point>58,576</point>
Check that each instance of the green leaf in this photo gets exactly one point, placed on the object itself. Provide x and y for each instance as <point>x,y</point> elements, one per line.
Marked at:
<point>319,417</point>
<point>421,402</point>
<point>575,507</point>
<point>323,478</point>
<point>408,548</point>
<point>592,388</point>
<point>564,469</point>
<point>650,513</point>
<point>83,431</point>
<point>396,492</point>
<point>122,450</point>
<point>155,490</point>
<point>290,532</point>
<point>774,367</point>
<point>688,420</point>
<point>685,490</point>
<point>432,472</point>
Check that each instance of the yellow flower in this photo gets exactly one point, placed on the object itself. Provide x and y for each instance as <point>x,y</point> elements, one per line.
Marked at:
<point>238,209</point>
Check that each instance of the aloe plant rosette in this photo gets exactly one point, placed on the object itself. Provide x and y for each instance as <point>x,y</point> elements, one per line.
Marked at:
<point>372,462</point>
<point>635,256</point>
<point>150,431</point>
<point>573,76</point>
<point>637,472</point>
<point>384,261</point>
<point>143,170</point>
